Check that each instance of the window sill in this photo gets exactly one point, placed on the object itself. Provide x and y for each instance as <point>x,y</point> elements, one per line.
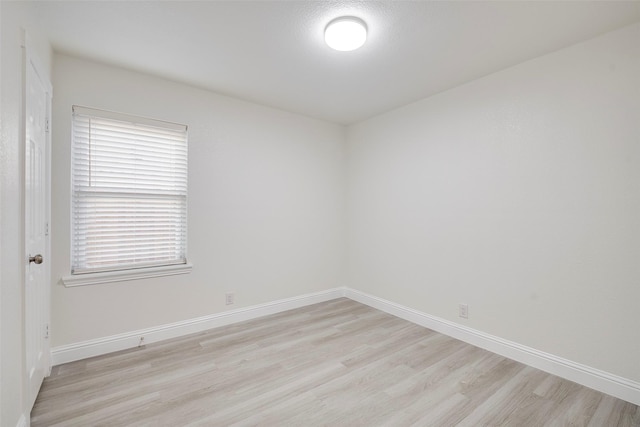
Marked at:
<point>124,275</point>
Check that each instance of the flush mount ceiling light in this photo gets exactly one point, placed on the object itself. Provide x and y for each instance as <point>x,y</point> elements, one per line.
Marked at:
<point>345,33</point>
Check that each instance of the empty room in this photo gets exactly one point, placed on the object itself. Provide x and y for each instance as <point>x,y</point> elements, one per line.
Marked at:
<point>320,213</point>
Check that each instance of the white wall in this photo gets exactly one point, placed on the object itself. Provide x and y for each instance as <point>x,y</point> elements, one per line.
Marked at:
<point>518,194</point>
<point>16,17</point>
<point>266,204</point>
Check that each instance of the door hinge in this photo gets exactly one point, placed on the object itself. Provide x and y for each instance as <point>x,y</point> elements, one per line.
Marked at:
<point>46,228</point>
<point>46,331</point>
<point>46,124</point>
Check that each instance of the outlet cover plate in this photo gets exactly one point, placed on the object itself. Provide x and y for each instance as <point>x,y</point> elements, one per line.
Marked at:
<point>229,297</point>
<point>463,311</point>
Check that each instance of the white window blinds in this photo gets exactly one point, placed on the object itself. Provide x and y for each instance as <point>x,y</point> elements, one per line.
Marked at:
<point>129,192</point>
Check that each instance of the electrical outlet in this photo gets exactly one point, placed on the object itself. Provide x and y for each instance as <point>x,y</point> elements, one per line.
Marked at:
<point>229,298</point>
<point>463,311</point>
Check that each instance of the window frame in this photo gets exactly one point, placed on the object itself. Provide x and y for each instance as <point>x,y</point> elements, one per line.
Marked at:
<point>128,271</point>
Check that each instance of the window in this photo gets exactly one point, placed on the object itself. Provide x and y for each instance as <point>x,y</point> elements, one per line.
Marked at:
<point>129,197</point>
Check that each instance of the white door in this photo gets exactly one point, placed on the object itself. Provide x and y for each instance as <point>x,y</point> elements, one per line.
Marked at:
<point>36,204</point>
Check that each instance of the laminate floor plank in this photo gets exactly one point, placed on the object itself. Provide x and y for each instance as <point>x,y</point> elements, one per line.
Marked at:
<point>337,363</point>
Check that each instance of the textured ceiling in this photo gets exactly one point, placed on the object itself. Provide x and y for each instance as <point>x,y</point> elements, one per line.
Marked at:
<point>273,53</point>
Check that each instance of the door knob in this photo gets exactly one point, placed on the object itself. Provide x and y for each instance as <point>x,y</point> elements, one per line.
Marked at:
<point>37,259</point>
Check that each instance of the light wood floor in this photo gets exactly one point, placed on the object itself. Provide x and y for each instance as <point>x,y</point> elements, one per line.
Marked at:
<point>337,363</point>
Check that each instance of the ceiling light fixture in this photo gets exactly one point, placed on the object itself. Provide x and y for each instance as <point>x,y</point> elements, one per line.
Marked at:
<point>345,33</point>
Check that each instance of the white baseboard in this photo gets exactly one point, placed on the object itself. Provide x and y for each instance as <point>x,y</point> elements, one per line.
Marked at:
<point>596,379</point>
<point>22,422</point>
<point>100,346</point>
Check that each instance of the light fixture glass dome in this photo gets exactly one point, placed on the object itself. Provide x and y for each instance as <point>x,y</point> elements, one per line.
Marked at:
<point>345,33</point>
